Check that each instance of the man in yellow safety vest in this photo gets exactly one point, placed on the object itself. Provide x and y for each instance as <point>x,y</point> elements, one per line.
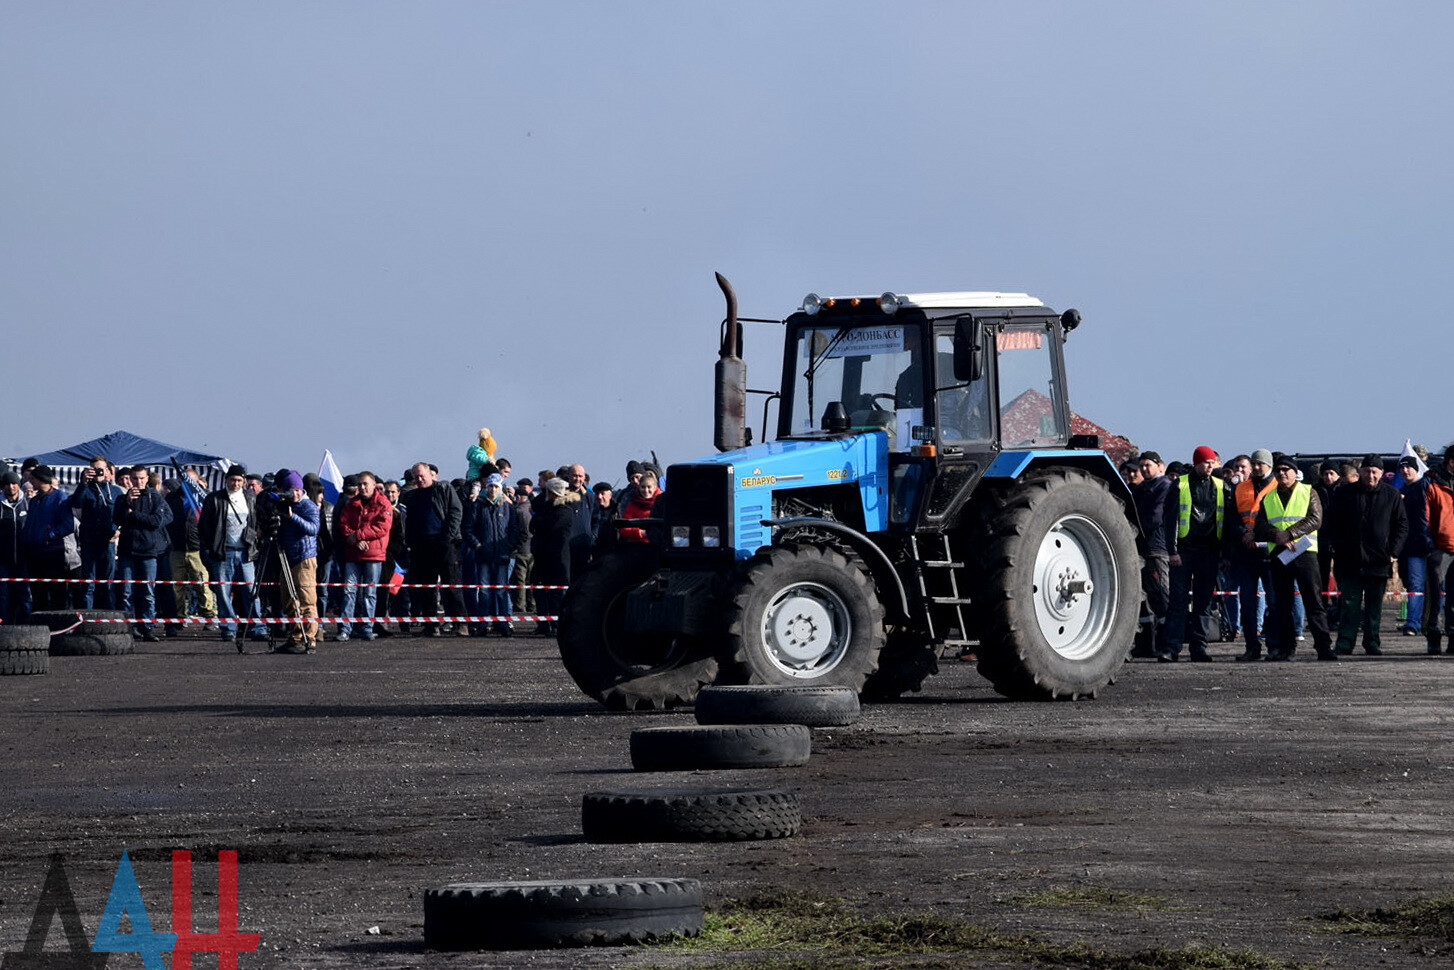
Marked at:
<point>1288,522</point>
<point>1195,548</point>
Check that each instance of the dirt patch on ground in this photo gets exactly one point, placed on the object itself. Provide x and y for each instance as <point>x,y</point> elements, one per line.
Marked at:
<point>1224,805</point>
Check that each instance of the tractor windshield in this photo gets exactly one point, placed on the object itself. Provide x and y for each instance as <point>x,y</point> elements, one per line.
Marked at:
<point>875,371</point>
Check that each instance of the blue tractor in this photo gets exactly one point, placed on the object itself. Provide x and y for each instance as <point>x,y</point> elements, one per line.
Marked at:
<point>923,492</point>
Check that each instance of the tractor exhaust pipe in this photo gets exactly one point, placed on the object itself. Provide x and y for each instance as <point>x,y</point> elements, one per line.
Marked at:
<point>730,432</point>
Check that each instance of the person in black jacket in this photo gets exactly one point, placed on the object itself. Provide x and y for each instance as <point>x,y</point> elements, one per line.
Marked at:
<point>1156,507</point>
<point>1366,525</point>
<point>229,541</point>
<point>142,516</point>
<point>14,597</point>
<point>433,521</point>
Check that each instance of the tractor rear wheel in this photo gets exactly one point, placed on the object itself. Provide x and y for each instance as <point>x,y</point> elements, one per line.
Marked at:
<point>1059,588</point>
<point>627,671</point>
<point>803,614</point>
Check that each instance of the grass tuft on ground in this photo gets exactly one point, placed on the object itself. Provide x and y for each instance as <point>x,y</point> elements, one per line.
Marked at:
<point>1086,897</point>
<point>801,931</point>
<point>1431,918</point>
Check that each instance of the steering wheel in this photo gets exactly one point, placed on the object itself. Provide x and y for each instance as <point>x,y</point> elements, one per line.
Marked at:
<point>891,398</point>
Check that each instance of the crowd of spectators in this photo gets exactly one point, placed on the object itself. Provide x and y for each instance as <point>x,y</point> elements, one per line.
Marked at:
<point>389,557</point>
<point>1245,540</point>
<point>1276,557</point>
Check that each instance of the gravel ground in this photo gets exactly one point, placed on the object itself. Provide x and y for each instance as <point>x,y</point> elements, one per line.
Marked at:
<point>1245,798</point>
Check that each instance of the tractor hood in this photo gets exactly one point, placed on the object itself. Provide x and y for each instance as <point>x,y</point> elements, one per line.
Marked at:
<point>756,473</point>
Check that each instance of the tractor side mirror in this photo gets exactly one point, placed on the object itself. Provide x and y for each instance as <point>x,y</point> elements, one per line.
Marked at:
<point>968,351</point>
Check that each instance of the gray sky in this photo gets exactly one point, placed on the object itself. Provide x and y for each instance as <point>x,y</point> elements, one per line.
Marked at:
<point>266,229</point>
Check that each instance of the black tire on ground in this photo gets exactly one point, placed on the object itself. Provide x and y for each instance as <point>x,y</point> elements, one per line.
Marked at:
<point>92,644</point>
<point>907,660</point>
<point>1043,636</point>
<point>24,637</point>
<point>24,662</point>
<point>690,747</point>
<point>803,614</point>
<point>733,815</point>
<point>815,706</point>
<point>624,671</point>
<point>541,914</point>
<point>61,619</point>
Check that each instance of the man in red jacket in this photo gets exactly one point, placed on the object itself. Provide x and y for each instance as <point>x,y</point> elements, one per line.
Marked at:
<point>363,543</point>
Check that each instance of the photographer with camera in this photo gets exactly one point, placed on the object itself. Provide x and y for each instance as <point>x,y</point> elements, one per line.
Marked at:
<point>142,516</point>
<point>298,519</point>
<point>93,501</point>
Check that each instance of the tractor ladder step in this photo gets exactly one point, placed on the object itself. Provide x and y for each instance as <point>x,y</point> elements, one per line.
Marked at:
<point>943,565</point>
<point>951,600</point>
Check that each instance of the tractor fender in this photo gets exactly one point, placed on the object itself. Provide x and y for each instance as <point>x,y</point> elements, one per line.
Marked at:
<point>1011,464</point>
<point>896,601</point>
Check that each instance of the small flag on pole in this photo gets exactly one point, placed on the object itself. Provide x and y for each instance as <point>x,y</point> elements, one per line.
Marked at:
<point>331,478</point>
<point>396,581</point>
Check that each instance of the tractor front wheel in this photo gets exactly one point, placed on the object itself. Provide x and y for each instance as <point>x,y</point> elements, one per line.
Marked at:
<point>803,614</point>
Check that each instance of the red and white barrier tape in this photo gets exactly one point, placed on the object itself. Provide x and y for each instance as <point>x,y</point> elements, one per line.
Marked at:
<point>209,582</point>
<point>273,620</point>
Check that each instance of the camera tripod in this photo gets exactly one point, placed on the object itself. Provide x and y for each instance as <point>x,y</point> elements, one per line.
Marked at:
<point>272,564</point>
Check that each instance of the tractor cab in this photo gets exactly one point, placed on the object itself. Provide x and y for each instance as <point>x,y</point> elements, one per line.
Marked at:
<point>951,379</point>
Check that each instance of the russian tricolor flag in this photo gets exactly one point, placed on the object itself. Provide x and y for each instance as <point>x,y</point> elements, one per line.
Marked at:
<point>331,478</point>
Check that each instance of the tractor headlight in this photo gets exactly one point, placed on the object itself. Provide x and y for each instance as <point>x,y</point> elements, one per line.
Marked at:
<point>889,303</point>
<point>812,303</point>
<point>711,536</point>
<point>681,536</point>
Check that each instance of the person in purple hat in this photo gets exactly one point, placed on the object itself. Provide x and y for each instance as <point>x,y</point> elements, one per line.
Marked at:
<point>299,538</point>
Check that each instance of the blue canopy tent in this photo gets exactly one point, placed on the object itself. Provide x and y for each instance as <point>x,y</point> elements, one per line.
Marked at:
<point>125,448</point>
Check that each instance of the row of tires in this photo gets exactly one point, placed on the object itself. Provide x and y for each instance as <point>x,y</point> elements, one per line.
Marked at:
<point>26,649</point>
<point>738,727</point>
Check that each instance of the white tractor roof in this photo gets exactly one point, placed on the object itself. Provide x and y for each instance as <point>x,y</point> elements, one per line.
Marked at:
<point>930,301</point>
<point>968,299</point>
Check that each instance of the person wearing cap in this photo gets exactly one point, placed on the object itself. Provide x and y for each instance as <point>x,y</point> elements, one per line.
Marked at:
<point>229,547</point>
<point>433,525</point>
<point>522,560</point>
<point>1366,525</point>
<point>298,537</point>
<point>1327,482</point>
<point>493,533</point>
<point>1195,551</point>
<point>14,507</point>
<point>1251,569</point>
<point>551,527</point>
<point>1155,500</point>
<point>603,510</point>
<point>43,540</point>
<point>142,516</point>
<point>1288,523</point>
<point>1413,560</point>
<point>1439,510</point>
<point>364,524</point>
<point>92,501</point>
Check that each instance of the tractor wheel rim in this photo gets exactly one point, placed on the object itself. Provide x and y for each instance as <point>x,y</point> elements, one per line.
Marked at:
<point>806,629</point>
<point>1075,587</point>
